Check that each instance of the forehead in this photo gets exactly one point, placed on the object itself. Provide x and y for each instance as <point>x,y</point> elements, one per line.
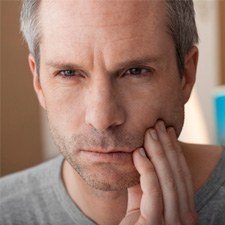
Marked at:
<point>101,26</point>
<point>96,10</point>
<point>100,15</point>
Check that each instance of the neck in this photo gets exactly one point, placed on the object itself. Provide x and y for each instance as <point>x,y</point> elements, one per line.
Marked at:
<point>201,160</point>
<point>104,207</point>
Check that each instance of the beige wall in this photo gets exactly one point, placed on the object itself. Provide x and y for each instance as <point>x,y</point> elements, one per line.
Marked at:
<point>208,73</point>
<point>20,117</point>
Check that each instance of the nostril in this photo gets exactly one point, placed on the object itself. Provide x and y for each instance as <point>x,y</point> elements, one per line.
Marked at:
<point>104,117</point>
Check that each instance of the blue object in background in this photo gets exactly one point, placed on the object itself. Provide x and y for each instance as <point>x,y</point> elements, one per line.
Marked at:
<point>219,103</point>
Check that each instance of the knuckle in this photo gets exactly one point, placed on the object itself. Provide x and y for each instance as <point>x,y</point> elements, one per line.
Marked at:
<point>181,174</point>
<point>170,146</point>
<point>148,169</point>
<point>156,192</point>
<point>159,155</point>
<point>170,183</point>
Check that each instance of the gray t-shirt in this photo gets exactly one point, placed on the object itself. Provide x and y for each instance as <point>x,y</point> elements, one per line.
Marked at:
<point>37,197</point>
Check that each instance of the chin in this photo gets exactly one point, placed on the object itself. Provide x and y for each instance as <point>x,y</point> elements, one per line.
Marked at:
<point>108,177</point>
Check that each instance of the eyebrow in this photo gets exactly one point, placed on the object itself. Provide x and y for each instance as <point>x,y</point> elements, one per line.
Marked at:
<point>121,65</point>
<point>138,61</point>
<point>62,66</point>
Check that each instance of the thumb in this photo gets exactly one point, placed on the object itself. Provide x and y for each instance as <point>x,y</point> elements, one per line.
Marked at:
<point>134,199</point>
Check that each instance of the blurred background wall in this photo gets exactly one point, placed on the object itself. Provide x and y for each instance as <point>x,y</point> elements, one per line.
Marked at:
<point>25,139</point>
<point>21,144</point>
<point>199,124</point>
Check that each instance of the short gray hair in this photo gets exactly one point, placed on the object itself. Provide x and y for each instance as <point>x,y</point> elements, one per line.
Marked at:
<point>181,25</point>
<point>30,27</point>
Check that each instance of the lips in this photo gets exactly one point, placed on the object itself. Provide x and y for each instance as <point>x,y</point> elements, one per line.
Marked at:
<point>102,155</point>
<point>108,151</point>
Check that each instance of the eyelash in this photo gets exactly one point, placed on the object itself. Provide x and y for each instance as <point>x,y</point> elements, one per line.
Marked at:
<point>72,73</point>
<point>138,69</point>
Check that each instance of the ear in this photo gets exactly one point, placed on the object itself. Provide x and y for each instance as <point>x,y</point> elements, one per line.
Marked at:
<point>36,81</point>
<point>189,74</point>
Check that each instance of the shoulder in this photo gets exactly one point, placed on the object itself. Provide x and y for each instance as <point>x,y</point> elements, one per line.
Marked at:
<point>207,165</point>
<point>210,199</point>
<point>29,179</point>
<point>24,191</point>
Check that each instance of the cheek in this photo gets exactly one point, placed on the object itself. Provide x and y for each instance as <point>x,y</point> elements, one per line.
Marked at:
<point>152,105</point>
<point>172,110</point>
<point>144,113</point>
<point>64,108</point>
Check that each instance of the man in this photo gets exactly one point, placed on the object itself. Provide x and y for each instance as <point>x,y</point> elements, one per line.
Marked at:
<point>113,77</point>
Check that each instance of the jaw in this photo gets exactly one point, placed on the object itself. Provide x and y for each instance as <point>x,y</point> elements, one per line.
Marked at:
<point>105,176</point>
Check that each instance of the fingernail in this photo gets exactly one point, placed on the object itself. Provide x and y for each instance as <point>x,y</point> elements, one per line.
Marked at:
<point>162,126</point>
<point>142,152</point>
<point>172,131</point>
<point>153,135</point>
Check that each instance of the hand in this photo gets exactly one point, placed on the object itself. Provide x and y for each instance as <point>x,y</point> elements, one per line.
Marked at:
<point>165,194</point>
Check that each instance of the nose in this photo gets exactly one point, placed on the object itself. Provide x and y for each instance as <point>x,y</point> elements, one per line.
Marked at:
<point>104,107</point>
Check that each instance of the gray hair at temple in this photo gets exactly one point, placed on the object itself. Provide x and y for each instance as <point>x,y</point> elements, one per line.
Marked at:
<point>181,25</point>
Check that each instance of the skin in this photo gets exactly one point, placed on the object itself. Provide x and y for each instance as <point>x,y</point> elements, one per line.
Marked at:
<point>102,110</point>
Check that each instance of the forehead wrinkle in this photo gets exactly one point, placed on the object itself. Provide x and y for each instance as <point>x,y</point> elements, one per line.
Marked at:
<point>95,14</point>
<point>101,15</point>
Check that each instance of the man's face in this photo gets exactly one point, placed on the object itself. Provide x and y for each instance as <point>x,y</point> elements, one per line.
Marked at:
<point>107,73</point>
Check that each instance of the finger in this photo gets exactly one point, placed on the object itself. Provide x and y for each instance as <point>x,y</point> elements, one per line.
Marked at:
<point>133,205</point>
<point>151,201</point>
<point>186,171</point>
<point>134,199</point>
<point>157,155</point>
<point>178,172</point>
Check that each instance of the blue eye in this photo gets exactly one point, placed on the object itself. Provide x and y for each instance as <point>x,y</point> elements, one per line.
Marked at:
<point>137,71</point>
<point>68,73</point>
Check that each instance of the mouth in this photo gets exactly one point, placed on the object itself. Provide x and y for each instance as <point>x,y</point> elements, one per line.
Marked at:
<point>101,155</point>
